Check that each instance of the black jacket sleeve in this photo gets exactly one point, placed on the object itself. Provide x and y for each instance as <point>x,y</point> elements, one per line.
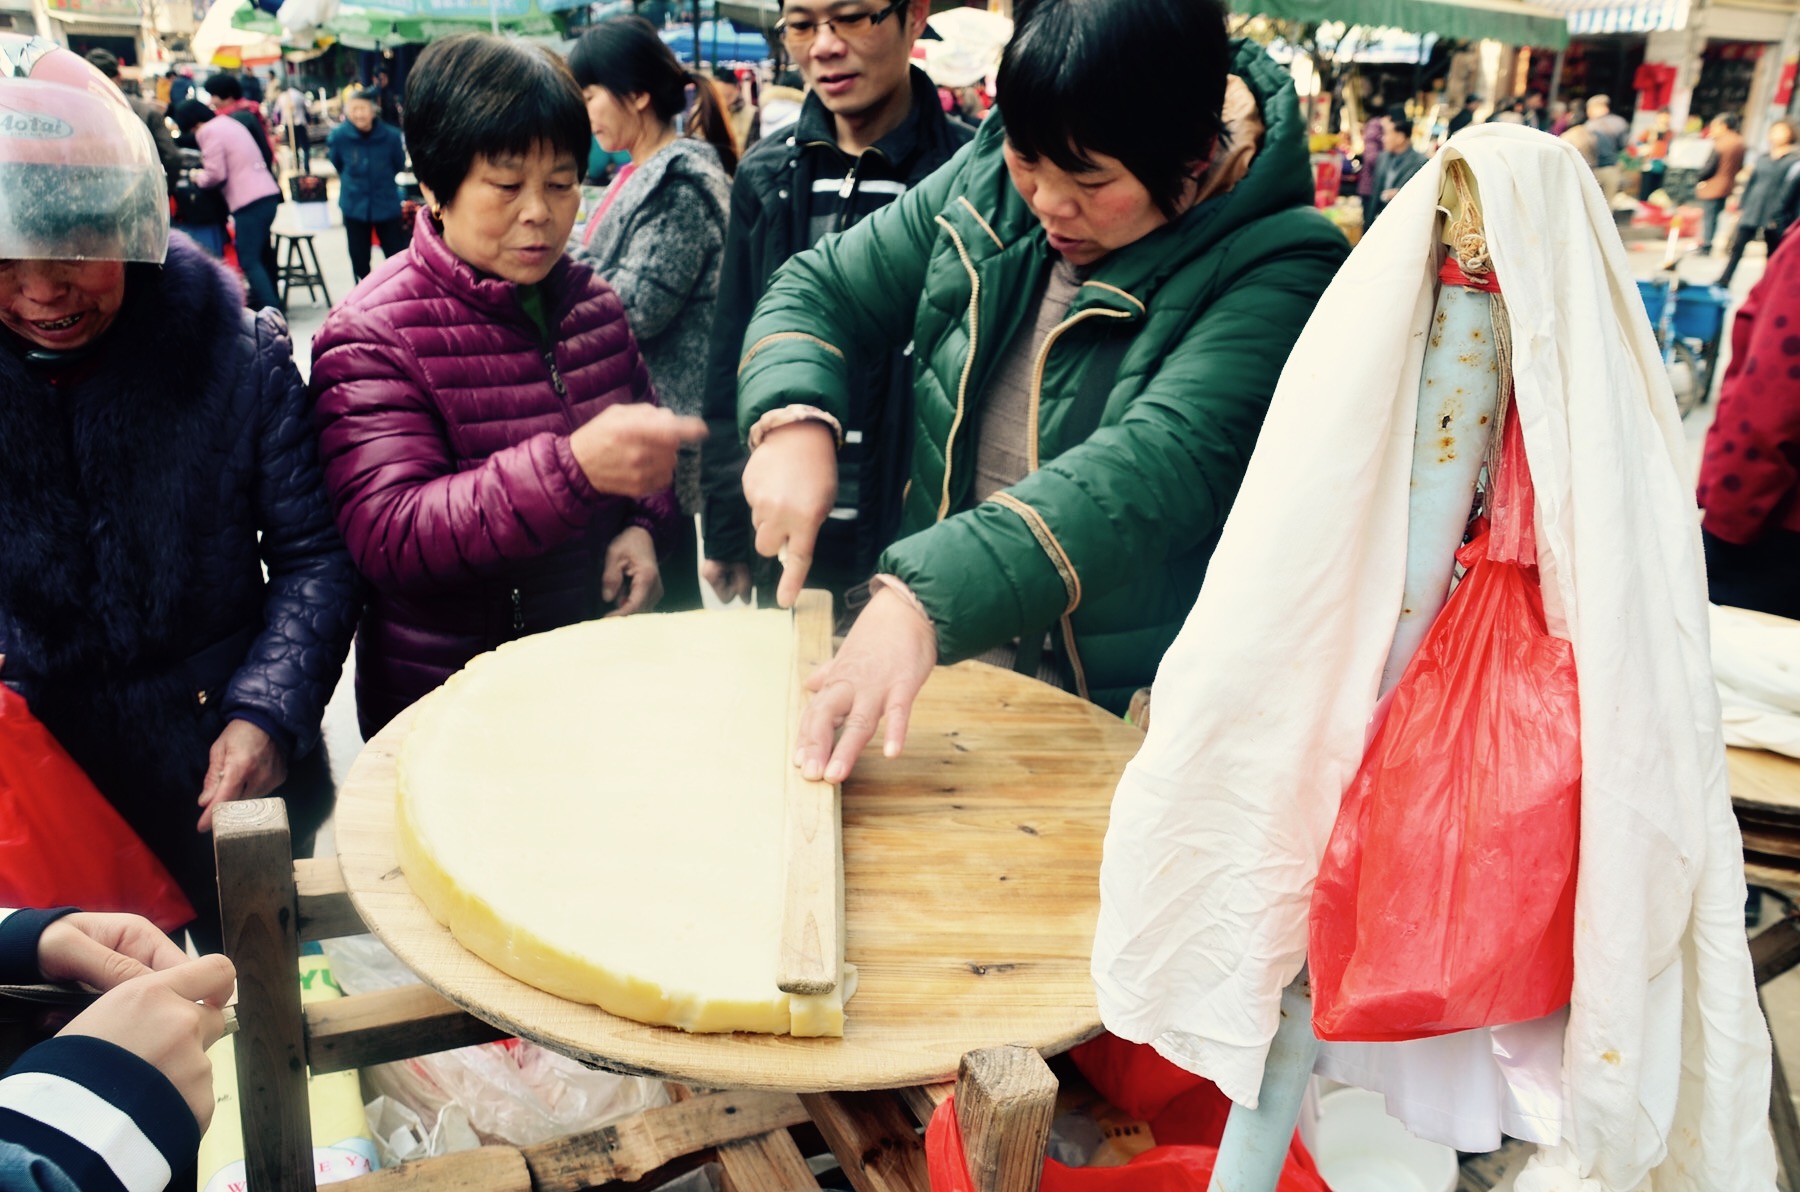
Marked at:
<point>313,595</point>
<point>725,516</point>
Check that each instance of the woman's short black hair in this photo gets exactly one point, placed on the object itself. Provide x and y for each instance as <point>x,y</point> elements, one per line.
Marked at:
<point>476,95</point>
<point>1112,76</point>
<point>190,113</point>
<point>224,86</point>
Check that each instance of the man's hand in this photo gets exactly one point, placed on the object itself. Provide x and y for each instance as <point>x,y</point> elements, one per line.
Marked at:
<point>168,1019</point>
<point>729,580</point>
<point>628,450</point>
<point>245,765</point>
<point>877,673</point>
<point>631,569</point>
<point>790,481</point>
<point>104,951</point>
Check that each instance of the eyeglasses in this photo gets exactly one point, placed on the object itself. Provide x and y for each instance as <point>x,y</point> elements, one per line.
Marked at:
<point>851,26</point>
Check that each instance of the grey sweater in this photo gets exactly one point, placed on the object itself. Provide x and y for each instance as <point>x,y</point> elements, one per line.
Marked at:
<point>660,246</point>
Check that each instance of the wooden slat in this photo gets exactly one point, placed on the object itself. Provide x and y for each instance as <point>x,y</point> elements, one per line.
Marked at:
<point>639,1145</point>
<point>388,1025</point>
<point>923,1099</point>
<point>256,898</point>
<point>325,910</point>
<point>1784,1124</point>
<point>812,949</point>
<point>484,1169</point>
<point>877,1147</point>
<point>766,1163</point>
<point>1776,949</point>
<point>1005,1099</point>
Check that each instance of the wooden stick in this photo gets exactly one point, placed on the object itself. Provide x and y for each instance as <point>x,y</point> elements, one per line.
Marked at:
<point>812,947</point>
<point>1005,1099</point>
<point>257,898</point>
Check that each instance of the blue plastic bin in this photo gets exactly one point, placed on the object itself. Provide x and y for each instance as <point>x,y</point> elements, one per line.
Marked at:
<point>1699,310</point>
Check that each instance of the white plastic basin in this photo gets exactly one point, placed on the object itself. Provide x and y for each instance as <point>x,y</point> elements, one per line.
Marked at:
<point>1359,1148</point>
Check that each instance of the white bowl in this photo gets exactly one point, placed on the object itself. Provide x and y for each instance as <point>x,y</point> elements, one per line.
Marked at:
<point>1359,1148</point>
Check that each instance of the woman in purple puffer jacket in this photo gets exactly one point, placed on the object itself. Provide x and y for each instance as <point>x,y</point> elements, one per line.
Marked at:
<point>492,448</point>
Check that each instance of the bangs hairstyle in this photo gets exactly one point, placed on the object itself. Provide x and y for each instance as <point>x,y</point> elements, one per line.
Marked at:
<point>1061,93</point>
<point>477,95</point>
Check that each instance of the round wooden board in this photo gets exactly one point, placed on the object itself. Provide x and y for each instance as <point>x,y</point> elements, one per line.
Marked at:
<point>971,890</point>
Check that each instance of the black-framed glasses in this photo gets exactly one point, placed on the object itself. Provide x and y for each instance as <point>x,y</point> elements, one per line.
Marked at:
<point>798,33</point>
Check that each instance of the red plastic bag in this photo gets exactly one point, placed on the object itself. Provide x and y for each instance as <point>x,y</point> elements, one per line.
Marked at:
<point>61,842</point>
<point>1186,1114</point>
<point>1446,898</point>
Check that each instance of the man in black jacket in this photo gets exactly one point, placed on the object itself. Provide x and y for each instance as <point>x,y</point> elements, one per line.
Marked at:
<point>871,127</point>
<point>150,113</point>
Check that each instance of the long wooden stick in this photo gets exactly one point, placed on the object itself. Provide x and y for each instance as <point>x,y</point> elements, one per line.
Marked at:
<point>812,941</point>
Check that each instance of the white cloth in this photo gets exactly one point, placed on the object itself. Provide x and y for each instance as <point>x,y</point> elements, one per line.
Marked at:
<point>1468,1089</point>
<point>1756,661</point>
<point>1262,703</point>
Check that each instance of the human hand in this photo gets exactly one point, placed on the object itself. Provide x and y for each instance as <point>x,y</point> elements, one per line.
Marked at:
<point>245,765</point>
<point>790,481</point>
<point>631,566</point>
<point>729,580</point>
<point>104,951</point>
<point>168,1019</point>
<point>878,671</point>
<point>629,449</point>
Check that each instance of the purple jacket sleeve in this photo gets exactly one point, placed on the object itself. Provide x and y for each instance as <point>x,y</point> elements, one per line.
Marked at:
<point>413,522</point>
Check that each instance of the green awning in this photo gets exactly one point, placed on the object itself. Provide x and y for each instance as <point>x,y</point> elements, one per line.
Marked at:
<point>1510,21</point>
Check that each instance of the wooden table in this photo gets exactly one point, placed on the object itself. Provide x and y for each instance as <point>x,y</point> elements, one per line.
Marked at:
<point>1765,793</point>
<point>971,892</point>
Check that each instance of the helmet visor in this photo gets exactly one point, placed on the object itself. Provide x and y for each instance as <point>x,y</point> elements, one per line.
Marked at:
<point>79,178</point>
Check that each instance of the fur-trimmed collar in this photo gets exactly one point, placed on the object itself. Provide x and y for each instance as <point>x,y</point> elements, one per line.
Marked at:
<point>104,469</point>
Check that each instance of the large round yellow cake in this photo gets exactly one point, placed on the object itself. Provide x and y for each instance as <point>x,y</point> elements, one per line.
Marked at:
<point>597,811</point>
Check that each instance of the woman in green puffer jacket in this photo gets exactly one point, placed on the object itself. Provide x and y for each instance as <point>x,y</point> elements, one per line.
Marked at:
<point>1100,291</point>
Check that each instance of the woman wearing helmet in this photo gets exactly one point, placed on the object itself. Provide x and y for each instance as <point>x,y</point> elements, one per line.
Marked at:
<point>159,460</point>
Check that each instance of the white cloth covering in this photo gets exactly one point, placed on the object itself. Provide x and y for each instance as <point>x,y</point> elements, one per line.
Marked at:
<point>1262,703</point>
<point>1756,659</point>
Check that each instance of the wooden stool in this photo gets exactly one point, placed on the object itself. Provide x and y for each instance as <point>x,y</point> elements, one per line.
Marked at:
<point>1005,1095</point>
<point>299,265</point>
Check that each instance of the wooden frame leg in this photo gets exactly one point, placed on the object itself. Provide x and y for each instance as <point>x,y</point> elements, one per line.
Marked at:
<point>876,1145</point>
<point>259,909</point>
<point>766,1163</point>
<point>1005,1101</point>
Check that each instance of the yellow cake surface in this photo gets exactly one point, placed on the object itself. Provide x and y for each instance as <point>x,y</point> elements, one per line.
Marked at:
<point>597,811</point>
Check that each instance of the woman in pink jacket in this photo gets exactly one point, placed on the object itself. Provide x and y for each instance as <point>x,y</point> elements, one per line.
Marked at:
<point>491,445</point>
<point>230,159</point>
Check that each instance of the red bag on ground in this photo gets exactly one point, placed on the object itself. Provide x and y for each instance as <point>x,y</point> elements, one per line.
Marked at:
<point>1186,1115</point>
<point>1446,898</point>
<point>61,842</point>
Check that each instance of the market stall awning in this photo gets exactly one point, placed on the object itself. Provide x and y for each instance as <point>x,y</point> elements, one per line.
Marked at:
<point>1510,21</point>
<point>1588,17</point>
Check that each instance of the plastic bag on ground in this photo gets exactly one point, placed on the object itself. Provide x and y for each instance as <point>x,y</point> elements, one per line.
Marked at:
<point>61,842</point>
<point>513,1092</point>
<point>1446,898</point>
<point>1183,1115</point>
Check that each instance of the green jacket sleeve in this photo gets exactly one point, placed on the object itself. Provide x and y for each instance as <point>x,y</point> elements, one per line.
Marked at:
<point>856,292</point>
<point>1154,484</point>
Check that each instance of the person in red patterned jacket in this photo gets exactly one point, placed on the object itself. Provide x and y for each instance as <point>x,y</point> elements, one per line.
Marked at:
<point>491,444</point>
<point>1750,475</point>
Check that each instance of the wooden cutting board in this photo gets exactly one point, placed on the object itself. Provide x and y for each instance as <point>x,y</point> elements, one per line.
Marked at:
<point>971,890</point>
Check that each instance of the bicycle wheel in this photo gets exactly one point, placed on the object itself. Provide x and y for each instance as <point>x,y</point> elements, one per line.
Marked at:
<point>1687,376</point>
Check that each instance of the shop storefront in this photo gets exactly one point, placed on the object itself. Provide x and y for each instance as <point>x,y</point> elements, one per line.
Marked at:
<point>113,25</point>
